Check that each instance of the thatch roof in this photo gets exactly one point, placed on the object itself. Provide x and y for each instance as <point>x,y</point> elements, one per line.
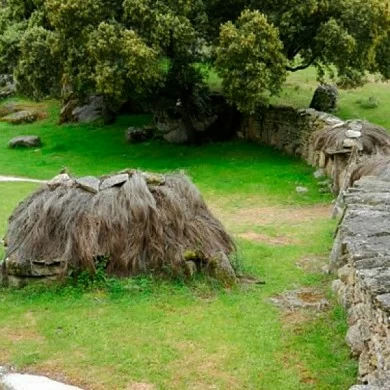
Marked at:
<point>372,166</point>
<point>369,139</point>
<point>142,223</point>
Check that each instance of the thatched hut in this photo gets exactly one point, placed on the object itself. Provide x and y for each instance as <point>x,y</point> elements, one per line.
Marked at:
<point>336,144</point>
<point>140,223</point>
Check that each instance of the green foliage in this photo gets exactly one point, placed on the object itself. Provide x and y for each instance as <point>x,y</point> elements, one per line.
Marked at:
<point>125,65</point>
<point>98,279</point>
<point>117,48</point>
<point>370,103</point>
<point>10,35</point>
<point>350,37</point>
<point>250,60</point>
<point>36,53</point>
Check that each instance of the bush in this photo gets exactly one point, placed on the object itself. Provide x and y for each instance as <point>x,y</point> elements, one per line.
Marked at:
<point>370,103</point>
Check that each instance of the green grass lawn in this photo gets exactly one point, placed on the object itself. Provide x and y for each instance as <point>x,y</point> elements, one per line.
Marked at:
<point>300,87</point>
<point>168,334</point>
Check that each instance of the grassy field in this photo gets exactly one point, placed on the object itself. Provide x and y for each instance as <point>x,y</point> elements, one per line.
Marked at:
<point>369,102</point>
<point>170,335</point>
<point>353,103</point>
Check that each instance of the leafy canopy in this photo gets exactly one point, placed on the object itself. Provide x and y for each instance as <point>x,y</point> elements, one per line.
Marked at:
<point>144,48</point>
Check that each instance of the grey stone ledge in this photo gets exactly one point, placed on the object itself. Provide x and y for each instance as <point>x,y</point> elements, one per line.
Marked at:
<point>113,181</point>
<point>89,183</point>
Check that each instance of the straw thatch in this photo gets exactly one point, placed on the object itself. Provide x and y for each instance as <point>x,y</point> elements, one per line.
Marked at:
<point>373,166</point>
<point>373,139</point>
<point>141,223</point>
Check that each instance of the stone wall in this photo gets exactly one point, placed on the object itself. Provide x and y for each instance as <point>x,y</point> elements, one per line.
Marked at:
<point>361,253</point>
<point>293,132</point>
<point>287,129</point>
<point>298,132</point>
<point>361,259</point>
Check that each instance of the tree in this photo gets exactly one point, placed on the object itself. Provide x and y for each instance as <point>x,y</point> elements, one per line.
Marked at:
<point>148,49</point>
<point>120,49</point>
<point>250,59</point>
<point>343,37</point>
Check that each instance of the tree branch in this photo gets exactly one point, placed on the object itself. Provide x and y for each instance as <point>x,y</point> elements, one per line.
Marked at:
<point>300,67</point>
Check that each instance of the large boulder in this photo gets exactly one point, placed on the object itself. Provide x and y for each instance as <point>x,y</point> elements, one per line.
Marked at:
<point>177,135</point>
<point>7,86</point>
<point>7,109</point>
<point>138,134</point>
<point>25,141</point>
<point>21,117</point>
<point>90,110</point>
<point>325,98</point>
<point>219,121</point>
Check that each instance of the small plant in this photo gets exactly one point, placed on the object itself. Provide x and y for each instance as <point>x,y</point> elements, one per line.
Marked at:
<point>370,103</point>
<point>86,279</point>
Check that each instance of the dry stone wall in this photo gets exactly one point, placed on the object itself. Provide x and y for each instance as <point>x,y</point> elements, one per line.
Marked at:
<point>293,132</point>
<point>321,139</point>
<point>361,259</point>
<point>288,129</point>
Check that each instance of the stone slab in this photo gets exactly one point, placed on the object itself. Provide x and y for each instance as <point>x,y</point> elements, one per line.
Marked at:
<point>384,301</point>
<point>31,382</point>
<point>89,183</point>
<point>114,181</point>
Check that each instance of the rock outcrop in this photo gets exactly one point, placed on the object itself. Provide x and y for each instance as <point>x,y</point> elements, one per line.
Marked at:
<point>219,121</point>
<point>325,98</point>
<point>20,117</point>
<point>91,110</point>
<point>136,135</point>
<point>7,86</point>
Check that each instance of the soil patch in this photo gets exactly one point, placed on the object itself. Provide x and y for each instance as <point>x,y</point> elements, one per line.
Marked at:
<point>306,298</point>
<point>313,264</point>
<point>264,238</point>
<point>17,335</point>
<point>273,214</point>
<point>141,386</point>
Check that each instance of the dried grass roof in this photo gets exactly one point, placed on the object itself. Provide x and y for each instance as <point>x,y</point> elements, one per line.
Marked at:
<point>372,166</point>
<point>374,139</point>
<point>142,223</point>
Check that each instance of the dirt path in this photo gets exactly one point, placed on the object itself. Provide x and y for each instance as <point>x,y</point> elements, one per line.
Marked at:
<point>12,179</point>
<point>270,215</point>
